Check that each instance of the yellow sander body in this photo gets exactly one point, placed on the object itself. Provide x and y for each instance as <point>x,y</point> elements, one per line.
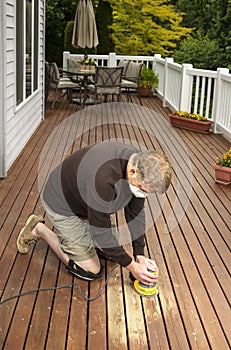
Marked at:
<point>144,290</point>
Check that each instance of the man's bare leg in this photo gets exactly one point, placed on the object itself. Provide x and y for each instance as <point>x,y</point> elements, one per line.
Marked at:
<point>41,231</point>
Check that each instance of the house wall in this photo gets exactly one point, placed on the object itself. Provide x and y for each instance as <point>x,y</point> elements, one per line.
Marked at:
<point>2,106</point>
<point>17,122</point>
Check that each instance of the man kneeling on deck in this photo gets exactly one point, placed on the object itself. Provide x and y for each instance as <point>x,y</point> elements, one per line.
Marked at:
<point>81,195</point>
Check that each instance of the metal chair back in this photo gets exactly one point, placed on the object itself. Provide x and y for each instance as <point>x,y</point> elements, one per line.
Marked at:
<point>108,81</point>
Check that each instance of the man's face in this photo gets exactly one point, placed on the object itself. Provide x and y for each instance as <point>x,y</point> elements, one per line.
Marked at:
<point>139,188</point>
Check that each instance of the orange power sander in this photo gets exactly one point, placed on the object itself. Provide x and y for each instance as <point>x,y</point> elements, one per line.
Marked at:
<point>145,290</point>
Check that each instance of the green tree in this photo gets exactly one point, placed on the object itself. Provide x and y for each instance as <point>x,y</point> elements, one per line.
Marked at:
<point>198,50</point>
<point>58,13</point>
<point>142,27</point>
<point>212,18</point>
<point>222,32</point>
<point>199,14</point>
<point>104,21</point>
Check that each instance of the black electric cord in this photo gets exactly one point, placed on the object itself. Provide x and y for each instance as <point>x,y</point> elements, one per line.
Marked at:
<point>61,287</point>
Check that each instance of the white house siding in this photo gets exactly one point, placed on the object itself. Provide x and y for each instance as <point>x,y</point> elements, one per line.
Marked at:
<point>17,122</point>
<point>2,92</point>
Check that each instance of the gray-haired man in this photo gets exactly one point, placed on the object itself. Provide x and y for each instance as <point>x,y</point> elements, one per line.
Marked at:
<point>81,195</point>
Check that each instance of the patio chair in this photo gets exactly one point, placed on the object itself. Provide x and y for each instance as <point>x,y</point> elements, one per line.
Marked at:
<point>131,80</point>
<point>57,82</point>
<point>124,64</point>
<point>73,63</point>
<point>107,82</point>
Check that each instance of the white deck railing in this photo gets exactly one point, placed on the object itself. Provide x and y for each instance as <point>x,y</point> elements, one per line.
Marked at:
<point>183,87</point>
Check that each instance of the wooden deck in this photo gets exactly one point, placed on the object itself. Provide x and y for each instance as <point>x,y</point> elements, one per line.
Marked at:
<point>188,234</point>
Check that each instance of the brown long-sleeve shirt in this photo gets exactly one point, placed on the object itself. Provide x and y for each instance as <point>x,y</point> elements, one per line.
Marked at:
<point>92,184</point>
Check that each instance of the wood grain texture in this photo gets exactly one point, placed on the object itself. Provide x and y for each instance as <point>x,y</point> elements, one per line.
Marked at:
<point>188,234</point>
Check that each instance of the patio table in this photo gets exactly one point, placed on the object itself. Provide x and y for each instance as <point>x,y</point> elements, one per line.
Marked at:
<point>85,74</point>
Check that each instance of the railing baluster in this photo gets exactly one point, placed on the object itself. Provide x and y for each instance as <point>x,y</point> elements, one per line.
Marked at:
<point>207,109</point>
<point>196,94</point>
<point>202,96</point>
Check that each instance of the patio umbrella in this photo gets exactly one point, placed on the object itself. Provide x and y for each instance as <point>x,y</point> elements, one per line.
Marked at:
<point>85,31</point>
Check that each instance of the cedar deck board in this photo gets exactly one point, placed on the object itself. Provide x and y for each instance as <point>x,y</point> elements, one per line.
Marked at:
<point>212,286</point>
<point>192,308</point>
<point>185,301</point>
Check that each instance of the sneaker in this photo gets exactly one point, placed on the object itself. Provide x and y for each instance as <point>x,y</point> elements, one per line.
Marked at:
<point>77,271</point>
<point>25,237</point>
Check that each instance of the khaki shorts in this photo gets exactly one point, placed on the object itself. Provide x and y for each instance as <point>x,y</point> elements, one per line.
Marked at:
<point>74,235</point>
<point>79,246</point>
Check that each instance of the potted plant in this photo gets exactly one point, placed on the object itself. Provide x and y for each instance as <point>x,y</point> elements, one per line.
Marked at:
<point>92,64</point>
<point>148,80</point>
<point>191,121</point>
<point>84,63</point>
<point>223,169</point>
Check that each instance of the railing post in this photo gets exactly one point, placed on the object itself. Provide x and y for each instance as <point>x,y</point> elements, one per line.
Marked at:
<point>217,98</point>
<point>156,57</point>
<point>165,88</point>
<point>66,55</point>
<point>112,59</point>
<point>186,89</point>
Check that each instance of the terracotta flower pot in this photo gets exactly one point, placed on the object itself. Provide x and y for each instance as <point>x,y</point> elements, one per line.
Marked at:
<point>222,174</point>
<point>145,91</point>
<point>190,124</point>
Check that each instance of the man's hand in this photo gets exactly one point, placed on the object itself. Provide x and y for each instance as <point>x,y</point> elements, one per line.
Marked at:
<point>140,269</point>
<point>150,264</point>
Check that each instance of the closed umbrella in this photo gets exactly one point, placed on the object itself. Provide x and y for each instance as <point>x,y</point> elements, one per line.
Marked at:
<point>85,31</point>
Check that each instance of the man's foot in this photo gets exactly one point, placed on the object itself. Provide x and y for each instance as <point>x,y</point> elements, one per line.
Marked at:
<point>25,237</point>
